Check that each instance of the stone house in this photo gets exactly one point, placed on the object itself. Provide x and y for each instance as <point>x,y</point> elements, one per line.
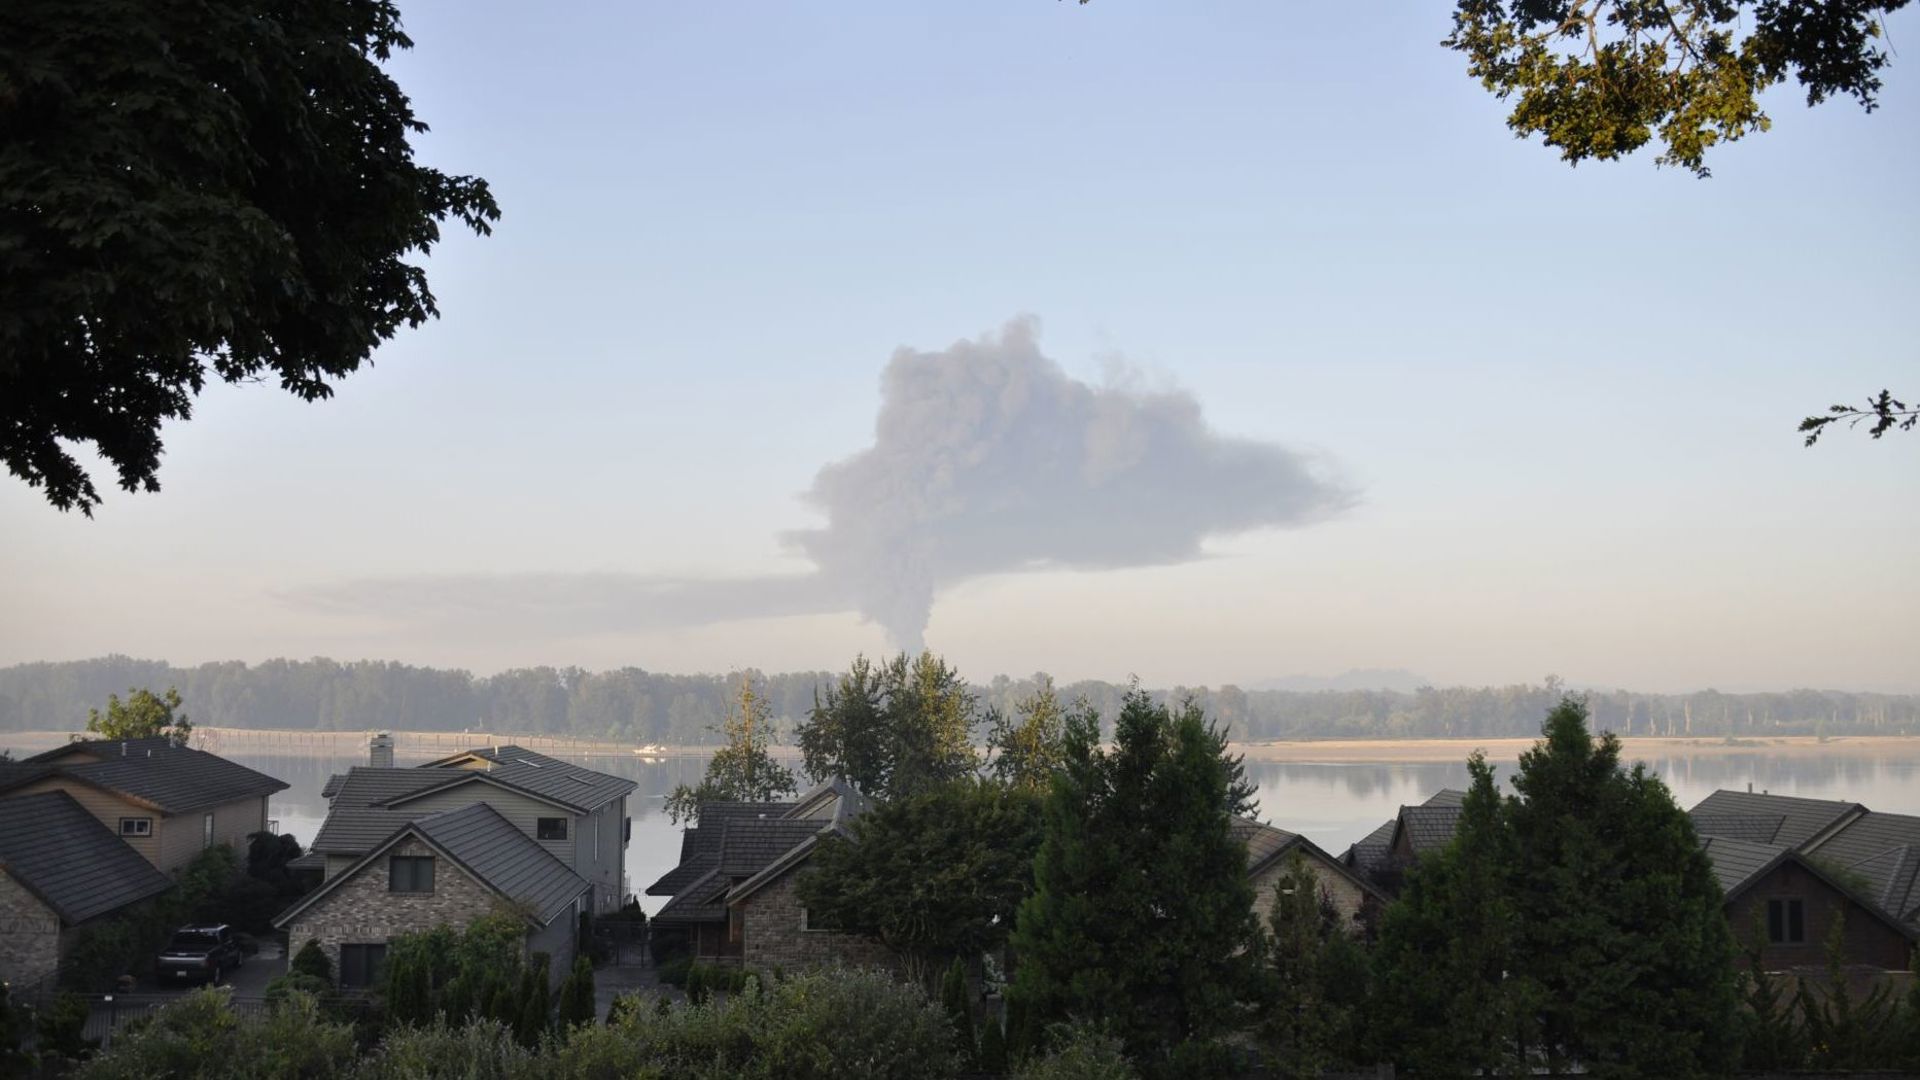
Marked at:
<point>165,800</point>
<point>575,814</point>
<point>1270,855</point>
<point>446,868</point>
<point>60,870</point>
<point>733,898</point>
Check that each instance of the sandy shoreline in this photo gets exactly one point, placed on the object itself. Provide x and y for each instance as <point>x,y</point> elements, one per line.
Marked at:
<point>1330,751</point>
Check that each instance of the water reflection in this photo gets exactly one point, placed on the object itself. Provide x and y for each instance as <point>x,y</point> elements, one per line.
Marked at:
<point>1334,804</point>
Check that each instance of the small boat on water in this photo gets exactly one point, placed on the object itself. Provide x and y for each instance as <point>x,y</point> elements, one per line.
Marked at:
<point>650,750</point>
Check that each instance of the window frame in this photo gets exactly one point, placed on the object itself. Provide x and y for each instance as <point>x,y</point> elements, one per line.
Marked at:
<point>206,831</point>
<point>1786,920</point>
<point>372,957</point>
<point>413,862</point>
<point>142,828</point>
<point>542,830</point>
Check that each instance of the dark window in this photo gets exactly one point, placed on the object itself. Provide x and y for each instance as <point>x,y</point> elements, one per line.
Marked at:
<point>736,924</point>
<point>360,964</point>
<point>410,873</point>
<point>136,826</point>
<point>552,828</point>
<point>206,831</point>
<point>1786,922</point>
<point>628,837</point>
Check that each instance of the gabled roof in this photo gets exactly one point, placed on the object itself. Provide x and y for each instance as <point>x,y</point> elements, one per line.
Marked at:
<point>1884,849</point>
<point>359,817</point>
<point>489,849</point>
<point>1427,828</point>
<point>701,900</point>
<point>66,857</point>
<point>1753,828</point>
<point>332,787</point>
<point>1736,862</point>
<point>561,781</point>
<point>747,845</point>
<point>157,773</point>
<point>1376,848</point>
<point>1267,845</point>
<point>1803,820</point>
<point>700,845</point>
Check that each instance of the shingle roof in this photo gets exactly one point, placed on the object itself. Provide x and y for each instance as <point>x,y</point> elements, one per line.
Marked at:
<point>1802,819</point>
<point>562,781</point>
<point>332,787</point>
<point>1429,827</point>
<point>505,858</point>
<point>1753,828</point>
<point>1263,841</point>
<point>1737,861</point>
<point>703,900</point>
<point>488,847</point>
<point>357,821</point>
<point>690,869</point>
<point>700,845</point>
<point>66,857</point>
<point>176,779</point>
<point>749,845</point>
<point>15,774</point>
<point>1885,849</point>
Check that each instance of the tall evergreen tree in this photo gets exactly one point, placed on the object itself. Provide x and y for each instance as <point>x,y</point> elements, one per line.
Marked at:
<point>954,999</point>
<point>1617,913</point>
<point>1142,914</point>
<point>576,995</point>
<point>744,769</point>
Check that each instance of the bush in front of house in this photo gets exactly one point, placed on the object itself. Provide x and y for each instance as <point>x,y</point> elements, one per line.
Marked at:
<point>1079,1052</point>
<point>312,960</point>
<point>201,1036</point>
<point>481,1050</point>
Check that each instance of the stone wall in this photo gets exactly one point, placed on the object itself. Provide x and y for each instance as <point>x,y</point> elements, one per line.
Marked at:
<point>29,935</point>
<point>1346,895</point>
<point>360,911</point>
<point>773,936</point>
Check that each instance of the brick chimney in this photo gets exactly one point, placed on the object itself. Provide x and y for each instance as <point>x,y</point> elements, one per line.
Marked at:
<point>380,750</point>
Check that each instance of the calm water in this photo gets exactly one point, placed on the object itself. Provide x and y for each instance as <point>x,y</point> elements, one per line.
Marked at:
<point>1333,804</point>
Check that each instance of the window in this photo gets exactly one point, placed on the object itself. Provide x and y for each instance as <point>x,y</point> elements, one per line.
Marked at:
<point>811,924</point>
<point>551,828</point>
<point>136,826</point>
<point>1786,922</point>
<point>736,924</point>
<point>627,837</point>
<point>410,873</point>
<point>206,831</point>
<point>360,964</point>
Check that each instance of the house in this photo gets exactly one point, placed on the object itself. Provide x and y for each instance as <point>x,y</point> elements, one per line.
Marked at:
<point>733,893</point>
<point>1785,903</point>
<point>575,814</point>
<point>447,867</point>
<point>60,870</point>
<point>1383,856</point>
<point>1270,854</point>
<point>1790,865</point>
<point>167,801</point>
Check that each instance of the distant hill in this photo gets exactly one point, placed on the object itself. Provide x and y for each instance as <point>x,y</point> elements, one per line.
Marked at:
<point>1399,679</point>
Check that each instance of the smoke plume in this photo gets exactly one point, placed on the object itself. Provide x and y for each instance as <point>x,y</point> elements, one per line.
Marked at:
<point>987,458</point>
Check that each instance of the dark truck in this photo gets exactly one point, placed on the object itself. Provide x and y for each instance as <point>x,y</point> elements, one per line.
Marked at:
<point>198,952</point>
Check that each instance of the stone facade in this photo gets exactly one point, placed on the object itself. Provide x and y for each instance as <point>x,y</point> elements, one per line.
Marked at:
<point>774,935</point>
<point>1347,896</point>
<point>29,935</point>
<point>361,910</point>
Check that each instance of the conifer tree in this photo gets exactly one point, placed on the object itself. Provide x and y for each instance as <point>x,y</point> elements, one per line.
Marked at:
<point>953,998</point>
<point>1298,1027</point>
<point>576,995</point>
<point>992,1058</point>
<point>1142,914</point>
<point>536,1003</point>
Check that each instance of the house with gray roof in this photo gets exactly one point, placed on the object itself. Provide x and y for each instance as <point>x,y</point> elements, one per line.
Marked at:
<point>445,868</point>
<point>732,895</point>
<point>1270,855</point>
<point>1384,855</point>
<point>1790,865</point>
<point>60,870</point>
<point>165,800</point>
<point>578,815</point>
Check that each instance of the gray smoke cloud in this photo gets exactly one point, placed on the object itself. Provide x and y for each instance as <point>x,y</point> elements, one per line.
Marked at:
<point>988,458</point>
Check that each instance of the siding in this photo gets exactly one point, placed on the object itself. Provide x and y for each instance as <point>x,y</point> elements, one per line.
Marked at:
<point>605,865</point>
<point>109,809</point>
<point>556,939</point>
<point>29,935</point>
<point>516,808</point>
<point>183,836</point>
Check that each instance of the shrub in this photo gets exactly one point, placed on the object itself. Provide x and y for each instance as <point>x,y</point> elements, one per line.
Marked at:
<point>482,1050</point>
<point>1079,1053</point>
<point>200,1038</point>
<point>674,972</point>
<point>62,1027</point>
<point>576,995</point>
<point>312,960</point>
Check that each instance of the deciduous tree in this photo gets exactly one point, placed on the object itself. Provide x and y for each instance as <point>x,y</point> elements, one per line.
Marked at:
<point>744,769</point>
<point>187,191</point>
<point>144,715</point>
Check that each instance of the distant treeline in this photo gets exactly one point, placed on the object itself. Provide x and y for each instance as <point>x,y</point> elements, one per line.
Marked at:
<point>647,707</point>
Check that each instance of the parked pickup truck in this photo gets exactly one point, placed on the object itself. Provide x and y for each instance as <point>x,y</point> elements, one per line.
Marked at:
<point>198,952</point>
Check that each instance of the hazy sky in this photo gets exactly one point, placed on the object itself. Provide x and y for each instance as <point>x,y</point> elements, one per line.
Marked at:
<point>1323,370</point>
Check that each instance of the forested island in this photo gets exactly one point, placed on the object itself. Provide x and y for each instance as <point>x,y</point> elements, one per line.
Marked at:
<point>650,707</point>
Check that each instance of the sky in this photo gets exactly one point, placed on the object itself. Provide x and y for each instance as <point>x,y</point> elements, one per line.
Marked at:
<point>1205,345</point>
